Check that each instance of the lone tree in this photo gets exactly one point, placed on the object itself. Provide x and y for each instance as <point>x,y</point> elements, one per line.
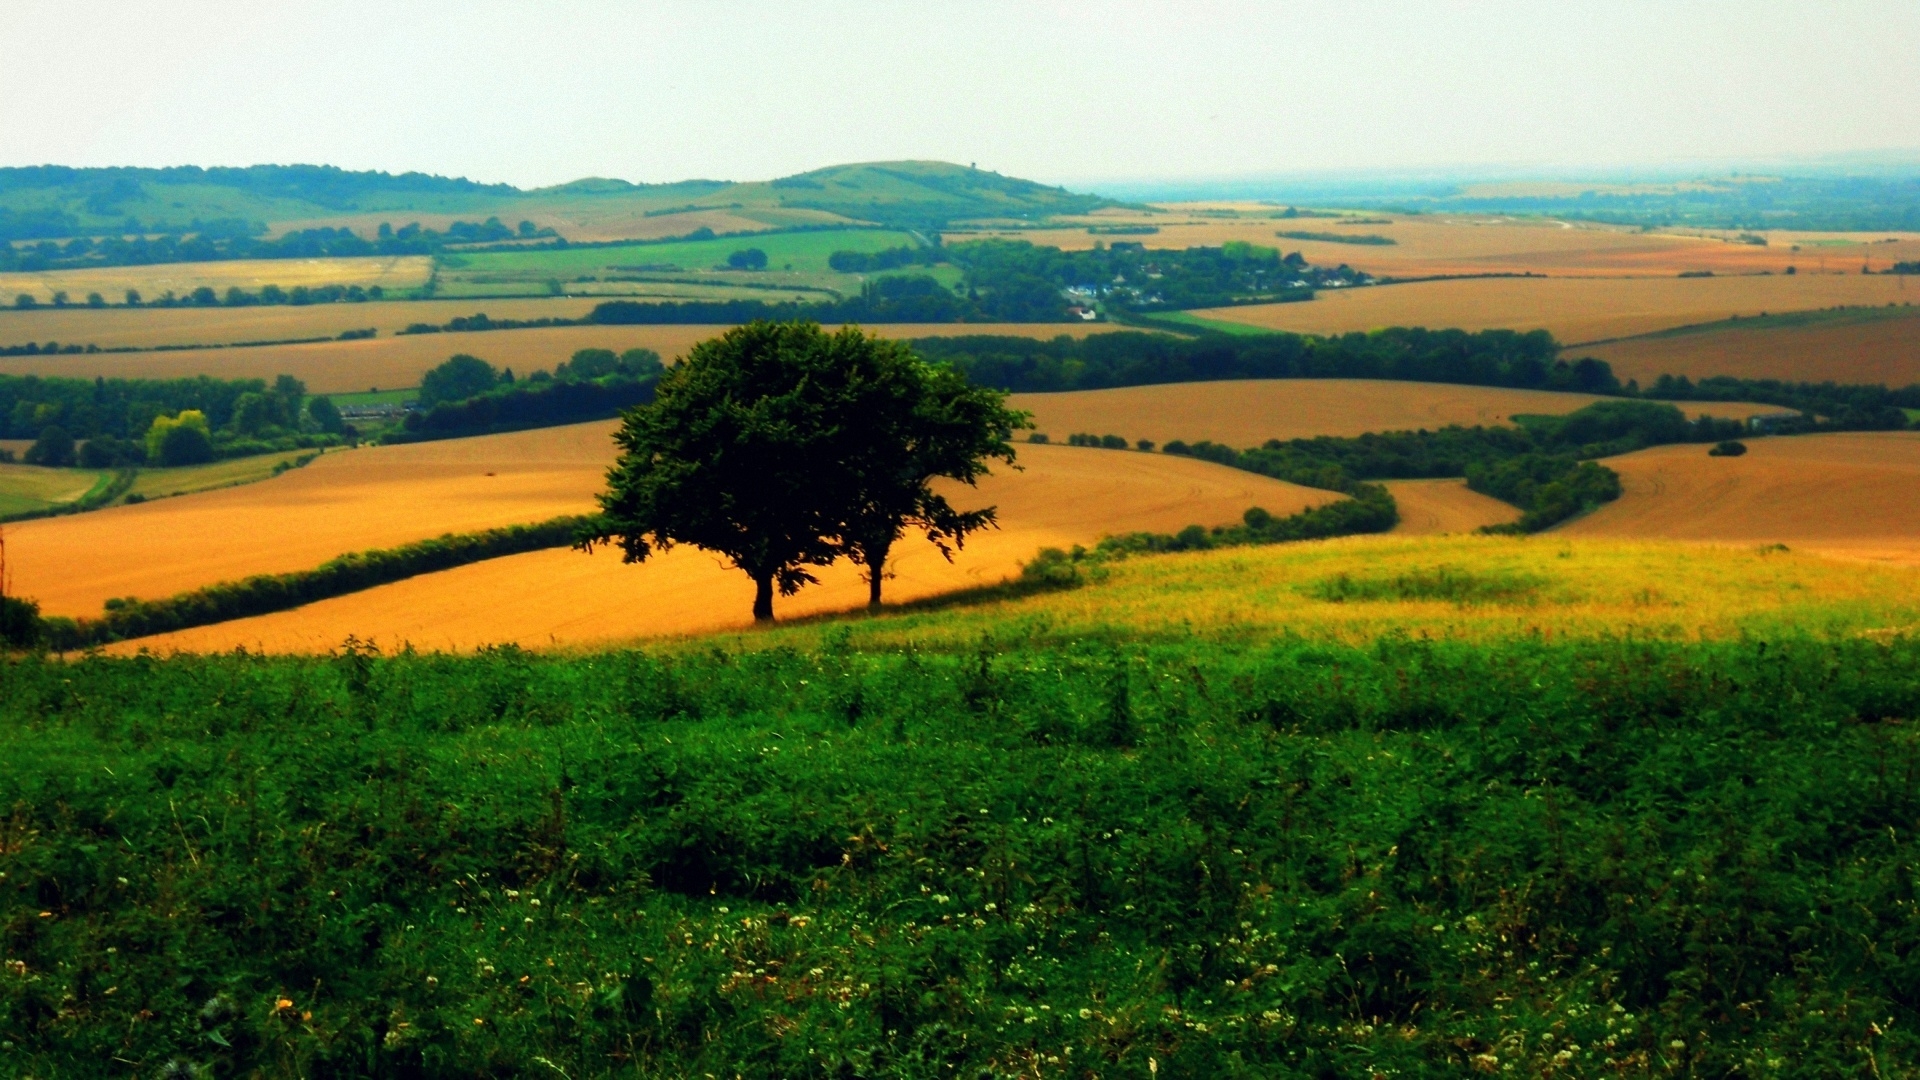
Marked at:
<point>784,448</point>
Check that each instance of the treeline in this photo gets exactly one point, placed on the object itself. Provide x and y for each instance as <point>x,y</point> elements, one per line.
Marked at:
<point>468,396</point>
<point>902,298</point>
<point>1543,466</point>
<point>465,324</point>
<point>1826,405</point>
<point>267,593</point>
<point>119,418</point>
<point>1369,509</point>
<point>864,262</point>
<point>206,296</point>
<point>228,240</point>
<point>1129,358</point>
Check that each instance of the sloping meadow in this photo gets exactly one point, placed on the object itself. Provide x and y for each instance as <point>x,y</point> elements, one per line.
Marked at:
<point>1095,858</point>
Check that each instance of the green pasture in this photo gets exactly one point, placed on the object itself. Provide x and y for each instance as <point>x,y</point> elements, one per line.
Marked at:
<point>26,489</point>
<point>796,260</point>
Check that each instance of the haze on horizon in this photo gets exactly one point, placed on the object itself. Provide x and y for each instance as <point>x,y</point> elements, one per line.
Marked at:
<point>1065,93</point>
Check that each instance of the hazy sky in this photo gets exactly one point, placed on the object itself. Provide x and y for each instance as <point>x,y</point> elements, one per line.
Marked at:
<point>540,93</point>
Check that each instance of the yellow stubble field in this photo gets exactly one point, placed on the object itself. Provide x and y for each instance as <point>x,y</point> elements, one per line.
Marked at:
<point>1854,494</point>
<point>1061,496</point>
<point>112,282</point>
<point>388,363</point>
<point>146,327</point>
<point>1870,345</point>
<point>1573,310</point>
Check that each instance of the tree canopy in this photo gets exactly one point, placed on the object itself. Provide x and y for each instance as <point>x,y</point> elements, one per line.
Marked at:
<point>785,448</point>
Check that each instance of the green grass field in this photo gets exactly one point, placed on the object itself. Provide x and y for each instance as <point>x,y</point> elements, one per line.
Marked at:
<point>1033,836</point>
<point>29,488</point>
<point>185,480</point>
<point>795,260</point>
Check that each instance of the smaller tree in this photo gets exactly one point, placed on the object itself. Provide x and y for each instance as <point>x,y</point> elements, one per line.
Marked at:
<point>133,298</point>
<point>904,423</point>
<point>325,415</point>
<point>95,300</point>
<point>732,456</point>
<point>54,449</point>
<point>749,259</point>
<point>641,363</point>
<point>180,440</point>
<point>24,301</point>
<point>460,378</point>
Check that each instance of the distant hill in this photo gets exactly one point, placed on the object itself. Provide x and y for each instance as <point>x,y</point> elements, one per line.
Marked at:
<point>56,202</point>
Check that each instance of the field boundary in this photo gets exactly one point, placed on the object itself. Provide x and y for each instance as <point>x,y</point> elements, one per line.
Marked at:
<point>264,594</point>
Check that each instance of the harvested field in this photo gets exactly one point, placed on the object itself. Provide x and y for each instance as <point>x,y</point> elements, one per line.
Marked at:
<point>1863,345</point>
<point>1574,310</point>
<point>1853,494</point>
<point>339,367</point>
<point>112,328</point>
<point>388,272</point>
<point>1062,497</point>
<point>1454,244</point>
<point>1248,412</point>
<point>345,501</point>
<point>1436,507</point>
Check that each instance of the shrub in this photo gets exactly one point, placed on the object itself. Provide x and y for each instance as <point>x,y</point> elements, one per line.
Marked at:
<point>54,449</point>
<point>179,441</point>
<point>1730,448</point>
<point>749,259</point>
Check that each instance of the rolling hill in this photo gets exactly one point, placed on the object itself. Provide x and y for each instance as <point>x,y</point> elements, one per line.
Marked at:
<point>57,202</point>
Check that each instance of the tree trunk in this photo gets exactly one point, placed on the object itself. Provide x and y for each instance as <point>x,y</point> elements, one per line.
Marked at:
<point>876,564</point>
<point>763,598</point>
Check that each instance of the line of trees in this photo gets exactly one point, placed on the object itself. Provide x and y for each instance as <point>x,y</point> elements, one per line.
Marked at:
<point>116,418</point>
<point>218,241</point>
<point>468,396</point>
<point>1129,358</point>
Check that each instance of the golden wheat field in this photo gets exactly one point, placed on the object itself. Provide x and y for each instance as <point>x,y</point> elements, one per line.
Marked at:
<point>346,501</point>
<point>1248,412</point>
<point>112,282</point>
<point>1574,310</point>
<point>112,328</point>
<point>1061,496</point>
<point>1440,507</point>
<point>1853,494</point>
<point>1868,345</point>
<point>390,363</point>
<point>1454,244</point>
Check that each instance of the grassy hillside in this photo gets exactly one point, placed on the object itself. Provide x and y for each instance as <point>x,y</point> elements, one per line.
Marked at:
<point>1005,847</point>
<point>54,202</point>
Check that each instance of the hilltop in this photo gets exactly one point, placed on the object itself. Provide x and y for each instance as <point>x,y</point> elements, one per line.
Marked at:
<point>57,202</point>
